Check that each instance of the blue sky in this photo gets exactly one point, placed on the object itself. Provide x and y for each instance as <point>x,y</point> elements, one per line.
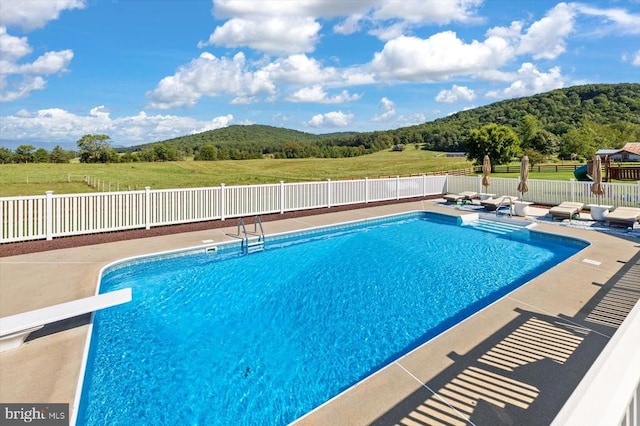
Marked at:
<point>147,70</point>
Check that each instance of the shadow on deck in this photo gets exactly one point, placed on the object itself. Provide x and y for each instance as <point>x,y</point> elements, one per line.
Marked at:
<point>525,372</point>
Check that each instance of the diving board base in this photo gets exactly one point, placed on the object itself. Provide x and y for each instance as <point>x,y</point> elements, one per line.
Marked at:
<point>15,329</point>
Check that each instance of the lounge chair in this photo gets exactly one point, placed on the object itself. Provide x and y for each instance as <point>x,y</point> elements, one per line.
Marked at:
<point>566,210</point>
<point>460,197</point>
<point>623,216</point>
<point>492,204</point>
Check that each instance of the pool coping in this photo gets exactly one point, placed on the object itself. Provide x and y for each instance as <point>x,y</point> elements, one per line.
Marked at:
<point>47,369</point>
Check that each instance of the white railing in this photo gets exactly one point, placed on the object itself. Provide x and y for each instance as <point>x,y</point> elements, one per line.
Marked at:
<point>551,192</point>
<point>609,394</point>
<point>50,216</point>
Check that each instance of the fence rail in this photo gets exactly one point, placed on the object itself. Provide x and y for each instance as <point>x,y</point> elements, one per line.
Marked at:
<point>57,215</point>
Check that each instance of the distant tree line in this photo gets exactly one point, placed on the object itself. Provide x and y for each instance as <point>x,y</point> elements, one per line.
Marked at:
<point>29,154</point>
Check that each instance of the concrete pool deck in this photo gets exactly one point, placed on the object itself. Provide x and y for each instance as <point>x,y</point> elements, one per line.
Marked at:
<point>516,361</point>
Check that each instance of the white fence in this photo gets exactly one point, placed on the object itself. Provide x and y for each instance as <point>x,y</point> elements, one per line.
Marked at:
<point>551,192</point>
<point>52,215</point>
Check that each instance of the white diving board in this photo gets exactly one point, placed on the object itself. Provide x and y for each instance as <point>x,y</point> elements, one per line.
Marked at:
<point>14,329</point>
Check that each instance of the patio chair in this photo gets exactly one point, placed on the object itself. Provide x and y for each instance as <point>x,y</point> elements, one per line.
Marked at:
<point>492,204</point>
<point>623,216</point>
<point>566,210</point>
<point>465,196</point>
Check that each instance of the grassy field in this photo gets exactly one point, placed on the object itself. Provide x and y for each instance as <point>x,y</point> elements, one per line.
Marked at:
<point>36,179</point>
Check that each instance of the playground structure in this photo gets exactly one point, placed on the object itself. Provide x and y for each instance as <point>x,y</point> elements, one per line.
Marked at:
<point>617,171</point>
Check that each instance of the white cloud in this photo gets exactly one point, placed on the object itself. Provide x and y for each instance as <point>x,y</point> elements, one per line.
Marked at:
<point>636,59</point>
<point>430,12</point>
<point>18,80</point>
<point>331,119</point>
<point>60,126</point>
<point>320,8</point>
<point>318,95</point>
<point>531,81</point>
<point>299,69</point>
<point>276,26</point>
<point>546,38</point>
<point>277,35</point>
<point>456,94</point>
<point>12,48</point>
<point>33,14</point>
<point>349,26</point>
<point>209,76</point>
<point>411,119</point>
<point>388,110</point>
<point>617,21</point>
<point>438,58</point>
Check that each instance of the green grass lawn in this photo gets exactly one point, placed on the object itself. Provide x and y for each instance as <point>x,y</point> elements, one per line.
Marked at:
<point>36,179</point>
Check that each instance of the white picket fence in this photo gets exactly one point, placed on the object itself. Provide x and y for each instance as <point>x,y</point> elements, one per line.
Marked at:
<point>57,215</point>
<point>551,192</point>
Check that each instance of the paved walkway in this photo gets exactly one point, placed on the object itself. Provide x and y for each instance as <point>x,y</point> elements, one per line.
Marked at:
<point>484,371</point>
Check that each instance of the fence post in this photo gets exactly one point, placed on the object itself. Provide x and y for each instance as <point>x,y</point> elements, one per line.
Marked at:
<point>573,189</point>
<point>281,197</point>
<point>49,215</point>
<point>147,207</point>
<point>223,201</point>
<point>366,189</point>
<point>397,187</point>
<point>424,185</point>
<point>328,193</point>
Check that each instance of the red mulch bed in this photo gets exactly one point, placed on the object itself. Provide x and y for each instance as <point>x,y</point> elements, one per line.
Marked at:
<point>12,249</point>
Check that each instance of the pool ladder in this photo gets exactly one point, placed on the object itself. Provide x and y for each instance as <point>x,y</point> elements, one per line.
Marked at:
<point>255,244</point>
<point>502,203</point>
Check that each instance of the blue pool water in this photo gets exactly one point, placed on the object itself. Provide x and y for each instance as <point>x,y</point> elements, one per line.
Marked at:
<point>224,338</point>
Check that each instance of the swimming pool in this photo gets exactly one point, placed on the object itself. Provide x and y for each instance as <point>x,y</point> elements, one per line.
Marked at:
<point>219,338</point>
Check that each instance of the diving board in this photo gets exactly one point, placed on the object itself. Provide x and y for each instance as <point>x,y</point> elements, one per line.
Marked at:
<point>14,329</point>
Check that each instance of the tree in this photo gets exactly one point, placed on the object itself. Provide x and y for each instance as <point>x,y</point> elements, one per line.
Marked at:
<point>95,149</point>
<point>24,154</point>
<point>499,142</point>
<point>165,152</point>
<point>207,152</point>
<point>59,155</point>
<point>6,156</point>
<point>576,145</point>
<point>41,156</point>
<point>534,136</point>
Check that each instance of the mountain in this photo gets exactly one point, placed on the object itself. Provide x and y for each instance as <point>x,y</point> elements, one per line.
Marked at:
<point>557,112</point>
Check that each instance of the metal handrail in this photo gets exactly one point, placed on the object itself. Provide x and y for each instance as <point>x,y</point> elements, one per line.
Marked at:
<point>244,231</point>
<point>501,203</point>
<point>257,221</point>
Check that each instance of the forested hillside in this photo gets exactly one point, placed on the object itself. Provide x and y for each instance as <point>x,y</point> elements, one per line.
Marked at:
<point>557,112</point>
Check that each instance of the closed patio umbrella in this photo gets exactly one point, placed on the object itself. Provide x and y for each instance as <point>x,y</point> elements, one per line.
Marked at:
<point>486,171</point>
<point>523,185</point>
<point>597,188</point>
